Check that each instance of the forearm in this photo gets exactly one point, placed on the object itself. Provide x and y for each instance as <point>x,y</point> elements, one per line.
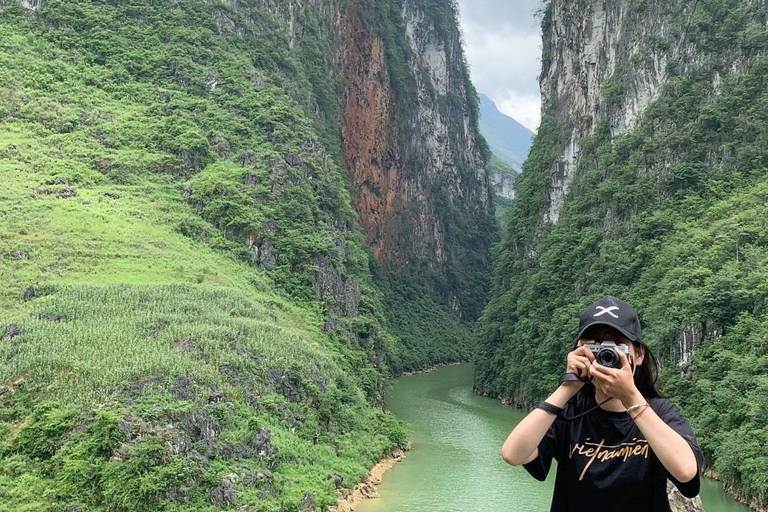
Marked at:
<point>521,445</point>
<point>671,448</point>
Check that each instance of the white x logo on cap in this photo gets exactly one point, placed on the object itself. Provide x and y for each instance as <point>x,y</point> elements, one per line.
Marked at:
<point>607,310</point>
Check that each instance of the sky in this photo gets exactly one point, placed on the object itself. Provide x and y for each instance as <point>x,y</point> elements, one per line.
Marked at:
<point>503,46</point>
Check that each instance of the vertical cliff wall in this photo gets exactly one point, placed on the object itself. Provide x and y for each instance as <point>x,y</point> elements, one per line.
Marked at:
<point>609,65</point>
<point>407,115</point>
<point>410,142</point>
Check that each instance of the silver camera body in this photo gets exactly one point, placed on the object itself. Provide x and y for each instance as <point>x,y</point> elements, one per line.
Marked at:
<point>605,353</point>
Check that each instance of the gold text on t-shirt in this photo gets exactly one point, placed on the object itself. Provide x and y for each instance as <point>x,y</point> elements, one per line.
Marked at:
<point>602,452</point>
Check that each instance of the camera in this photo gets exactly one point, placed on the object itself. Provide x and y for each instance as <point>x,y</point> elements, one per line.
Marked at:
<point>605,353</point>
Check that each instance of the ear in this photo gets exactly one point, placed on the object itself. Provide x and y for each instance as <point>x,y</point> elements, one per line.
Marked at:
<point>639,354</point>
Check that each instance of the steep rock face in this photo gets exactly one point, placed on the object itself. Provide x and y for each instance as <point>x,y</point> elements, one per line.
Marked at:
<point>409,142</point>
<point>602,59</point>
<point>504,185</point>
<point>371,152</point>
<point>412,153</point>
<point>679,503</point>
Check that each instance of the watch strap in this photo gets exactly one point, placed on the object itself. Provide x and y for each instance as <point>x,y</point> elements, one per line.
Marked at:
<point>552,409</point>
<point>570,377</point>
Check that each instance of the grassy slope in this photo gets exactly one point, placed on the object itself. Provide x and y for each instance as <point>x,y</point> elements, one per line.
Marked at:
<point>106,339</point>
<point>158,368</point>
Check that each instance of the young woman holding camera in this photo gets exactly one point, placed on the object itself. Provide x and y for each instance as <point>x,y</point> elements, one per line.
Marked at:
<point>615,438</point>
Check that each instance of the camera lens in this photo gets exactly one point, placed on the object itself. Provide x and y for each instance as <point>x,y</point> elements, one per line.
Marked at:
<point>608,358</point>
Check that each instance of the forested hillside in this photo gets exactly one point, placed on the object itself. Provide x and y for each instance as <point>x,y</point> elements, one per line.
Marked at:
<point>648,180</point>
<point>190,316</point>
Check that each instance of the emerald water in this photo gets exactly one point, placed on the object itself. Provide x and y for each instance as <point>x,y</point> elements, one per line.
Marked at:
<point>455,464</point>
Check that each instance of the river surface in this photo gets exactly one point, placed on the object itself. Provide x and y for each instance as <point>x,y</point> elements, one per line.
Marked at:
<point>455,464</point>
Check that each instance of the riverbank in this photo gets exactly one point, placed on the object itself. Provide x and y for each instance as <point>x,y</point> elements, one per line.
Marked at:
<point>350,499</point>
<point>736,492</point>
<point>428,370</point>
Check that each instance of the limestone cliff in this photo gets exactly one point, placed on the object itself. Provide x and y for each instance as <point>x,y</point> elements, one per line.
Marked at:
<point>409,140</point>
<point>603,59</point>
<point>606,62</point>
<point>411,149</point>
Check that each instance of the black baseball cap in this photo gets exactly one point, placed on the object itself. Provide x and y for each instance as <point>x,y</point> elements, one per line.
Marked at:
<point>614,313</point>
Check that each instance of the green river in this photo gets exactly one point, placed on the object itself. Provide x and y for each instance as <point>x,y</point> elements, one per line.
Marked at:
<point>455,464</point>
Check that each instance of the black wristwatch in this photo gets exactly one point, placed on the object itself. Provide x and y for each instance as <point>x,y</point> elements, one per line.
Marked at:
<point>552,409</point>
<point>570,377</point>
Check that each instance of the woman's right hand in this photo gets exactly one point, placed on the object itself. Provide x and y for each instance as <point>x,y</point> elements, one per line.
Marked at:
<point>579,362</point>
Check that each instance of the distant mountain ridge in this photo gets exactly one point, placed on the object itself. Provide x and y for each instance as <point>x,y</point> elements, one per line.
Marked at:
<point>508,139</point>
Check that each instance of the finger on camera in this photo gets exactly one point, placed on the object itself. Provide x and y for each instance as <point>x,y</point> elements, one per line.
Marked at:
<point>584,352</point>
<point>623,359</point>
<point>582,371</point>
<point>581,360</point>
<point>603,371</point>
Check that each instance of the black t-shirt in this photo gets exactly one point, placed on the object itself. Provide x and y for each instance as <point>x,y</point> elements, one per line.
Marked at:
<point>604,462</point>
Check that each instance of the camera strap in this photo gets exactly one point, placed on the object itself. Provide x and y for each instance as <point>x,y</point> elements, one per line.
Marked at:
<point>571,418</point>
<point>572,377</point>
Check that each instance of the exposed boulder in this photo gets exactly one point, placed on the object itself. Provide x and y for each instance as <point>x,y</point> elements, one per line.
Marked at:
<point>30,293</point>
<point>11,331</point>
<point>679,503</point>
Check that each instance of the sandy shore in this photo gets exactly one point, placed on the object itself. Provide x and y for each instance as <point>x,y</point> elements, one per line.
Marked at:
<point>349,499</point>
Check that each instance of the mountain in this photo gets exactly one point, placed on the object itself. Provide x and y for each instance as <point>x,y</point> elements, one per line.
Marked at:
<point>223,226</point>
<point>508,139</point>
<point>647,180</point>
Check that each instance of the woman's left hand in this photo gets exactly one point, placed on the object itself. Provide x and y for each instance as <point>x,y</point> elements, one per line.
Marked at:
<point>618,383</point>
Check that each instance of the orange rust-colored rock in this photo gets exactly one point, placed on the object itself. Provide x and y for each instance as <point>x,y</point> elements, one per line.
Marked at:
<point>370,131</point>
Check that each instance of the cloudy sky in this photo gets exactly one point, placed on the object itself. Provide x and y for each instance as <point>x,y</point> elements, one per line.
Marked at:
<point>503,46</point>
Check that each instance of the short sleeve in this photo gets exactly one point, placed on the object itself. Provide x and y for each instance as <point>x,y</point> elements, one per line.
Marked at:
<point>671,415</point>
<point>538,468</point>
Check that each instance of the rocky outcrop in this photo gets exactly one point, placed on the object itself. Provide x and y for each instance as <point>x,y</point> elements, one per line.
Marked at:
<point>603,59</point>
<point>504,185</point>
<point>32,5</point>
<point>689,338</point>
<point>679,503</point>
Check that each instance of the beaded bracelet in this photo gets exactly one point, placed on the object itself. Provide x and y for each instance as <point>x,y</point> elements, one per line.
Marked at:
<point>637,406</point>
<point>645,408</point>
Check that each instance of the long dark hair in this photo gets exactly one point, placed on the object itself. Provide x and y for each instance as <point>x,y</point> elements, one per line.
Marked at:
<point>647,374</point>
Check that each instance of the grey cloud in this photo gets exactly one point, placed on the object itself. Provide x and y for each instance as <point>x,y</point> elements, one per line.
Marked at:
<point>504,53</point>
<point>502,14</point>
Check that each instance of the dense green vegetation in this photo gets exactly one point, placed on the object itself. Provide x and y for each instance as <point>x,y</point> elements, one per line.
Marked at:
<point>132,397</point>
<point>203,328</point>
<point>428,332</point>
<point>670,216</point>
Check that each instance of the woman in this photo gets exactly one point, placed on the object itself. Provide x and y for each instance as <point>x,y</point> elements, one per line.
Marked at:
<point>618,441</point>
